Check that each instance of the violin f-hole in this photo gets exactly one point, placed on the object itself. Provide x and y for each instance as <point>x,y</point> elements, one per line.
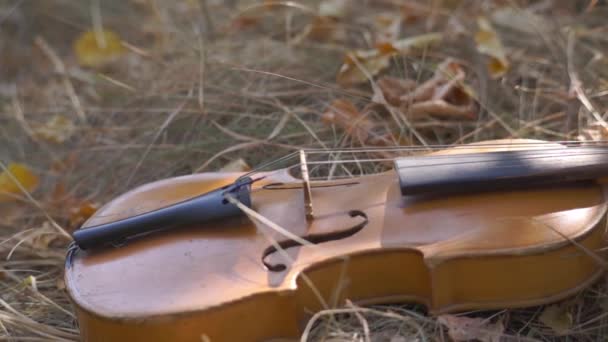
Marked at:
<point>314,239</point>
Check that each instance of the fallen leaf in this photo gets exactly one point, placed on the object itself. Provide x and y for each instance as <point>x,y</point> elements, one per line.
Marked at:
<point>371,60</point>
<point>237,165</point>
<point>56,130</point>
<point>81,212</point>
<point>9,189</point>
<point>345,115</point>
<point>488,43</point>
<point>378,59</point>
<point>73,209</point>
<point>393,88</point>
<point>359,125</point>
<point>444,94</point>
<point>440,108</point>
<point>462,328</point>
<point>387,28</point>
<point>322,29</point>
<point>95,50</point>
<point>557,317</point>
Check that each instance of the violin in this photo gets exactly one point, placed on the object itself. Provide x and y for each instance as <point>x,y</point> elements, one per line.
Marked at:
<point>252,256</point>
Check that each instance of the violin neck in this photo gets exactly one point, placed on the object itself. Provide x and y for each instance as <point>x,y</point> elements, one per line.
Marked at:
<point>499,170</point>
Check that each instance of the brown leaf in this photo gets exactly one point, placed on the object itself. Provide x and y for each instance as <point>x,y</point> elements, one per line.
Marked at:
<point>360,125</point>
<point>393,88</point>
<point>428,89</point>
<point>462,328</point>
<point>344,114</point>
<point>81,212</point>
<point>443,95</point>
<point>76,210</point>
<point>322,29</point>
<point>441,109</point>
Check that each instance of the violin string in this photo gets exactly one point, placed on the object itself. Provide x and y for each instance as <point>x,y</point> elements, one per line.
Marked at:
<point>463,148</point>
<point>490,148</point>
<point>551,146</point>
<point>539,156</point>
<point>458,146</point>
<point>558,153</point>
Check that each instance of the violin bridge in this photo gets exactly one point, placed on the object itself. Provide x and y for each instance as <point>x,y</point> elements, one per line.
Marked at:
<point>306,186</point>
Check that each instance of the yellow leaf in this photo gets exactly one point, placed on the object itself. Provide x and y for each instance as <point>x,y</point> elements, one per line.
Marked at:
<point>96,49</point>
<point>9,189</point>
<point>488,43</point>
<point>558,318</point>
<point>57,130</point>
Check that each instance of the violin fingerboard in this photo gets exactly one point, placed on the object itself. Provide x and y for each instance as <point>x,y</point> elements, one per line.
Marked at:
<point>499,170</point>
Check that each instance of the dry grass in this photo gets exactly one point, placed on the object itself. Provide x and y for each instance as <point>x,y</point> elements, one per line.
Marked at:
<point>197,91</point>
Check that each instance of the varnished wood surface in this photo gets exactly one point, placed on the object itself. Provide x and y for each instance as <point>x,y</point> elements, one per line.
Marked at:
<point>486,250</point>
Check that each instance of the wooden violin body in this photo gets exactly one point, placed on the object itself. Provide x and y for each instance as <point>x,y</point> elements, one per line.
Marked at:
<point>485,250</point>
